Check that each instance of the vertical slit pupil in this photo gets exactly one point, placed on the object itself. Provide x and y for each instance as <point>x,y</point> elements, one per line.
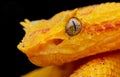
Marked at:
<point>74,25</point>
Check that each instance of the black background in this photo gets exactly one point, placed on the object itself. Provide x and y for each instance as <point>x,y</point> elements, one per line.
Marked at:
<point>15,11</point>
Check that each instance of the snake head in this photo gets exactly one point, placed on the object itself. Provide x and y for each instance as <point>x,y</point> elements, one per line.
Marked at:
<point>72,34</point>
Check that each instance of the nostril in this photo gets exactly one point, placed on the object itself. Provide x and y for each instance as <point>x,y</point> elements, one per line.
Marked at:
<point>57,41</point>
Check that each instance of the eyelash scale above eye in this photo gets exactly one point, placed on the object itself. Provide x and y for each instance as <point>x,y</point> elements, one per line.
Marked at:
<point>73,27</point>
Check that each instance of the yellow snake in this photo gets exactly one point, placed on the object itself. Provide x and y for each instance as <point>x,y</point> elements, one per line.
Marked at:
<point>83,42</point>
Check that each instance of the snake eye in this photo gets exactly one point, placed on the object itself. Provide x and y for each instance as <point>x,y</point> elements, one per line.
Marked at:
<point>73,27</point>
